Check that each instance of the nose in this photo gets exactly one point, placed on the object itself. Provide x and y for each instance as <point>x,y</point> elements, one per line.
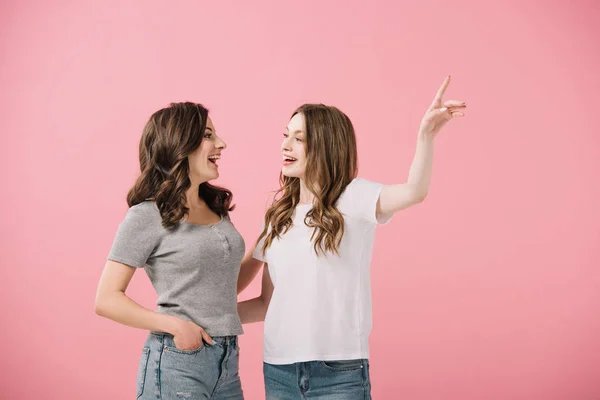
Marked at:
<point>285,145</point>
<point>221,144</point>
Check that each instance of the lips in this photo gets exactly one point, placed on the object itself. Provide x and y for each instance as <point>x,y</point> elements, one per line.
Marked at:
<point>288,160</point>
<point>214,158</point>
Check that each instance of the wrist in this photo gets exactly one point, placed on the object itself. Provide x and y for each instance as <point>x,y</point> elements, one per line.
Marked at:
<point>426,136</point>
<point>171,324</point>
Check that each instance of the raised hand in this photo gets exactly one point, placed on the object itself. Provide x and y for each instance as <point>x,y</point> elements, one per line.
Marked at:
<point>440,112</point>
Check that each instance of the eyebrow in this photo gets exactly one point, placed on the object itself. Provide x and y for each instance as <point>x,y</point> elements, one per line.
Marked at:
<point>296,132</point>
<point>209,129</point>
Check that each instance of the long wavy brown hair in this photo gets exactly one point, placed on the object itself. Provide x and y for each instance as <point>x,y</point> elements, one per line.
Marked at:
<point>331,164</point>
<point>170,135</point>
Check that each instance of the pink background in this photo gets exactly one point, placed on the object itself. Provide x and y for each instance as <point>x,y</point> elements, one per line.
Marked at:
<point>488,290</point>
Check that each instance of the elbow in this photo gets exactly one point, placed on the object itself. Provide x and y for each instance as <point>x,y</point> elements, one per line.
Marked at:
<point>264,306</point>
<point>265,301</point>
<point>101,306</point>
<point>99,309</point>
<point>420,197</point>
<point>241,286</point>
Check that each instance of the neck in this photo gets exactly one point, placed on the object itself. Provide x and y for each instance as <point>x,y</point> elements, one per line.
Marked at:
<point>306,196</point>
<point>193,200</point>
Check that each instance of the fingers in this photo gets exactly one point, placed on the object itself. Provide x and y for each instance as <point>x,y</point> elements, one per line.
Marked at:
<point>454,103</point>
<point>206,337</point>
<point>437,101</point>
<point>443,88</point>
<point>450,112</point>
<point>457,111</point>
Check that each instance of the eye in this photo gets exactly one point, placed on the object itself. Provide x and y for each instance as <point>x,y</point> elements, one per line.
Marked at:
<point>285,135</point>
<point>207,135</point>
<point>298,139</point>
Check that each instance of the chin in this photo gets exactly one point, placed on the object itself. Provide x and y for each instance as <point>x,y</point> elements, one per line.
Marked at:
<point>289,174</point>
<point>211,177</point>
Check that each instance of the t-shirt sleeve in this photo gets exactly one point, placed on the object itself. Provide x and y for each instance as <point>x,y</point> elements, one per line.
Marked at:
<point>360,200</point>
<point>137,237</point>
<point>257,255</point>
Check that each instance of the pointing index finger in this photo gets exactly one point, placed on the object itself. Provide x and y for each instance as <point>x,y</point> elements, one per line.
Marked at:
<point>442,89</point>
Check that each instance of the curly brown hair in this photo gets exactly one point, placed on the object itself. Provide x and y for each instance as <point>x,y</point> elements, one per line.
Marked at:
<point>331,164</point>
<point>170,135</point>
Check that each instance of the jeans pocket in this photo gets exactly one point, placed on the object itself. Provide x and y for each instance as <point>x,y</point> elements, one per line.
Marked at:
<point>343,365</point>
<point>171,347</point>
<point>141,375</point>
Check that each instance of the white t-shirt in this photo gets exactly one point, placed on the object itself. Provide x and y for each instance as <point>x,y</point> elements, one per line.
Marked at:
<point>321,305</point>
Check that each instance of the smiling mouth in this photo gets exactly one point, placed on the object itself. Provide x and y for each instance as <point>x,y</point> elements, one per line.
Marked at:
<point>214,159</point>
<point>289,160</point>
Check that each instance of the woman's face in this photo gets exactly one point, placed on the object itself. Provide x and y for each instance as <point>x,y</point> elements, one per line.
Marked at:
<point>203,161</point>
<point>293,148</point>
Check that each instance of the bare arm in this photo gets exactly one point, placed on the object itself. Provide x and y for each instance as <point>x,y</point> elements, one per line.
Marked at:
<point>254,310</point>
<point>248,270</point>
<point>114,304</point>
<point>397,197</point>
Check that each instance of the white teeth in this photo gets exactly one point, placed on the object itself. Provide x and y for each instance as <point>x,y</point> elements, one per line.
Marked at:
<point>214,157</point>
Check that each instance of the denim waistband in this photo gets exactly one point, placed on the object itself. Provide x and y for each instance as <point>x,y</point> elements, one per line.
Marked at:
<point>222,340</point>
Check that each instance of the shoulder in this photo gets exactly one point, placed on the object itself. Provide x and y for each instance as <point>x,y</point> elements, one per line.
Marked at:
<point>360,198</point>
<point>361,184</point>
<point>359,187</point>
<point>145,213</point>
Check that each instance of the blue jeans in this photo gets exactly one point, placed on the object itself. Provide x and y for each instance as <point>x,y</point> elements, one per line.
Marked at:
<point>208,372</point>
<point>323,380</point>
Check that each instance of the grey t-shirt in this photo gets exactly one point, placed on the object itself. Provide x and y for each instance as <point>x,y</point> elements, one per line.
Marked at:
<point>194,268</point>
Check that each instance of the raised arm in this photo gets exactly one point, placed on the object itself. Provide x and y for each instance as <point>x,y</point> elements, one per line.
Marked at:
<point>399,196</point>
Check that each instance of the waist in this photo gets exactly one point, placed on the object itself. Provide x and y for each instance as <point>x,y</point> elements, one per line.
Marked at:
<point>231,340</point>
<point>226,324</point>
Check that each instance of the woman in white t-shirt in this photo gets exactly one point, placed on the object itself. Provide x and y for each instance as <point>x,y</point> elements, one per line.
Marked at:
<point>316,247</point>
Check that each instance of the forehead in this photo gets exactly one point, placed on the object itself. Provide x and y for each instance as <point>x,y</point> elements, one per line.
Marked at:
<point>296,123</point>
<point>209,124</point>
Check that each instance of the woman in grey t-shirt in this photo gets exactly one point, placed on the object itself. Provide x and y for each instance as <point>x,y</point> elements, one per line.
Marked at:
<point>178,229</point>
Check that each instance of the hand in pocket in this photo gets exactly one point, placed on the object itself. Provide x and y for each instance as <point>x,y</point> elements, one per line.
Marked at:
<point>189,336</point>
